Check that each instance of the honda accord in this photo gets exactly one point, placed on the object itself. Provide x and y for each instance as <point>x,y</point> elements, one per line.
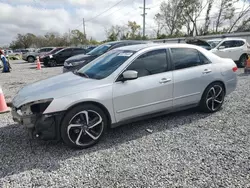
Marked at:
<point>121,86</point>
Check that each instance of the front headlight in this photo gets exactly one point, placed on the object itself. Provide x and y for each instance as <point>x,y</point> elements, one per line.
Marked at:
<point>37,107</point>
<point>50,56</point>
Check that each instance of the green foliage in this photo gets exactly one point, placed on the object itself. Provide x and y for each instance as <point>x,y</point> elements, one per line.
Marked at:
<point>130,32</point>
<point>74,38</point>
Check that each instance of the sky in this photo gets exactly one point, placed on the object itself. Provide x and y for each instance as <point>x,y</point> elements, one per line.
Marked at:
<point>42,16</point>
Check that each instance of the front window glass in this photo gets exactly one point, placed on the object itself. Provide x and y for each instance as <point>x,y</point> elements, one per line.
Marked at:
<point>105,65</point>
<point>153,62</point>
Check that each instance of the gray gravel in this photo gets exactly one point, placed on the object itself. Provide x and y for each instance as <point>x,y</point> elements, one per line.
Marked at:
<point>185,149</point>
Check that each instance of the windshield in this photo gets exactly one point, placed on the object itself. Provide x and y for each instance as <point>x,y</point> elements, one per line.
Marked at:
<point>55,50</point>
<point>214,43</point>
<point>58,51</point>
<point>99,50</point>
<point>106,64</point>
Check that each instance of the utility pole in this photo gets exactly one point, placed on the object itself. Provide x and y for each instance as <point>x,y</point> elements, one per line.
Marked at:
<point>84,30</point>
<point>144,16</point>
<point>69,35</point>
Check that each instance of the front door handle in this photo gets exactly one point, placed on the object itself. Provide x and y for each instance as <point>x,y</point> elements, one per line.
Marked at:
<point>206,71</point>
<point>164,80</point>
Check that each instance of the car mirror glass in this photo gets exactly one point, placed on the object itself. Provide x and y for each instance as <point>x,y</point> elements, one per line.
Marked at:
<point>130,75</point>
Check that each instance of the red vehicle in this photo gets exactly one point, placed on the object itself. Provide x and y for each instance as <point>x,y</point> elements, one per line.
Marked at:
<point>41,57</point>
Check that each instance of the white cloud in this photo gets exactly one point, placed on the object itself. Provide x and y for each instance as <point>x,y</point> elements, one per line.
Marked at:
<point>41,16</point>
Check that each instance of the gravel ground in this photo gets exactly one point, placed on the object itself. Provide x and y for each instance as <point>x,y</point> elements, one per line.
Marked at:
<point>186,149</point>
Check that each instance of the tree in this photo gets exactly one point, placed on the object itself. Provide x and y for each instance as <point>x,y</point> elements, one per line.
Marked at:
<point>207,19</point>
<point>170,17</point>
<point>244,26</point>
<point>134,29</point>
<point>113,33</point>
<point>225,12</point>
<point>23,41</point>
<point>159,24</point>
<point>191,11</point>
<point>244,11</point>
<point>77,37</point>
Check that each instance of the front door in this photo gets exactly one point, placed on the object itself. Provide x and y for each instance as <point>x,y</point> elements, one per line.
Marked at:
<point>151,92</point>
<point>231,49</point>
<point>65,54</point>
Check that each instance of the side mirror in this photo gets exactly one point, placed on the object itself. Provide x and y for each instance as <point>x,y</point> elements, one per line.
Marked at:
<point>129,75</point>
<point>221,47</point>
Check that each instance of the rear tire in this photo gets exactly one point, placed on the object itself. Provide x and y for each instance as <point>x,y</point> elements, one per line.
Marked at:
<point>212,98</point>
<point>242,61</point>
<point>80,133</point>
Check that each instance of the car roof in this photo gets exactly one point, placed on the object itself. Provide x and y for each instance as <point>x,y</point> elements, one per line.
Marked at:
<point>125,41</point>
<point>139,47</point>
<point>227,38</point>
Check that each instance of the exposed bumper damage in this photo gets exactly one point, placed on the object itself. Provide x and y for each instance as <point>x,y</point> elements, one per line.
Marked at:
<point>42,126</point>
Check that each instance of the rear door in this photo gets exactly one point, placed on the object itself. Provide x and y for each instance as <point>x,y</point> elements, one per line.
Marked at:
<point>193,72</point>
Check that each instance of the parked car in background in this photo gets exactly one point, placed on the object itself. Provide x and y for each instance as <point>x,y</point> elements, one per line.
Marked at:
<point>77,62</point>
<point>31,56</point>
<point>60,56</point>
<point>199,42</point>
<point>46,55</point>
<point>90,48</point>
<point>214,42</point>
<point>236,49</point>
<point>21,51</point>
<point>121,86</point>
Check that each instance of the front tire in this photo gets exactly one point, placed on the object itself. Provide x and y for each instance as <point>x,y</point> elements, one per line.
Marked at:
<point>31,59</point>
<point>83,126</point>
<point>52,63</point>
<point>213,98</point>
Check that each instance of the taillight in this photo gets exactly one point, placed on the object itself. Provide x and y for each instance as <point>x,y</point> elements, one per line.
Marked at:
<point>235,69</point>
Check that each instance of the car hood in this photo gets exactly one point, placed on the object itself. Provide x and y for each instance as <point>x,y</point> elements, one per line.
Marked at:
<point>54,87</point>
<point>79,58</point>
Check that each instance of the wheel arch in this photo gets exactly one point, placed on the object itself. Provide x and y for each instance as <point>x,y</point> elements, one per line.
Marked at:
<point>216,81</point>
<point>101,106</point>
<point>244,54</point>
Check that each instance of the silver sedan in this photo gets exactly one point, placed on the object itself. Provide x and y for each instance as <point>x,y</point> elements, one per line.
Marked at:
<point>121,86</point>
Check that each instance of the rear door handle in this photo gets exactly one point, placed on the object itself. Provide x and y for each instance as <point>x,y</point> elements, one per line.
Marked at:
<point>206,71</point>
<point>164,80</point>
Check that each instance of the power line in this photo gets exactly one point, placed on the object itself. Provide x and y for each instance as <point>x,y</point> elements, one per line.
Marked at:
<point>119,9</point>
<point>104,11</point>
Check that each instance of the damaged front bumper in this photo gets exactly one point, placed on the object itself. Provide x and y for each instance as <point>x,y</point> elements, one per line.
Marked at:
<point>42,126</point>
